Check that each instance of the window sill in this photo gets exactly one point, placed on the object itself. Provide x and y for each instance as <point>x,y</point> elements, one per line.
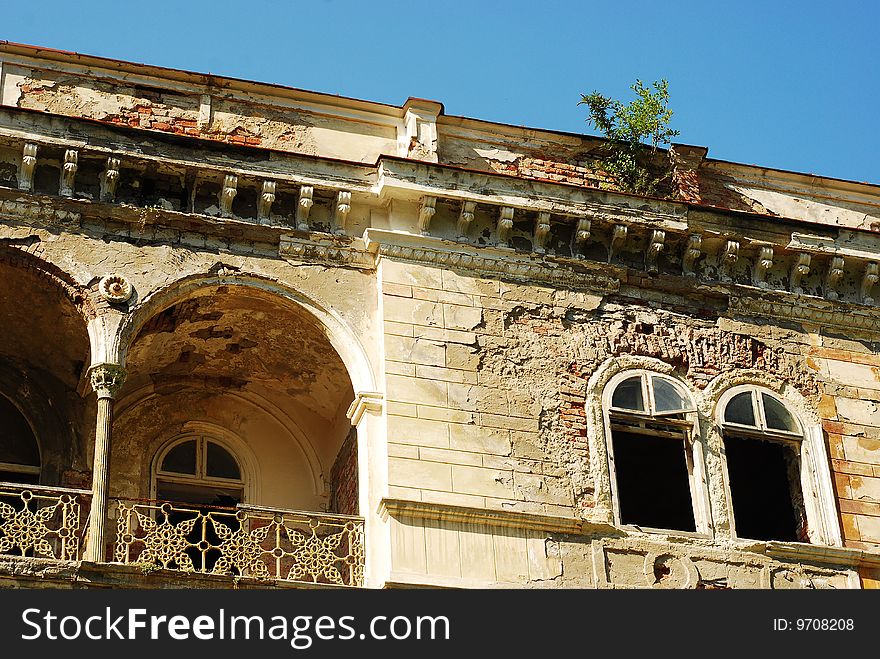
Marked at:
<point>647,530</point>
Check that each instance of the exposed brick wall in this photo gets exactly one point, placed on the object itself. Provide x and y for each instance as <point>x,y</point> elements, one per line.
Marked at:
<point>344,478</point>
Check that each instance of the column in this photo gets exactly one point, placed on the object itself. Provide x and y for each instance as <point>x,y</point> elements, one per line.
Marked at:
<point>106,380</point>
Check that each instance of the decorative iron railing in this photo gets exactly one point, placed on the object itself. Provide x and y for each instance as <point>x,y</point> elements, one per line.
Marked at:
<point>43,522</point>
<point>246,541</point>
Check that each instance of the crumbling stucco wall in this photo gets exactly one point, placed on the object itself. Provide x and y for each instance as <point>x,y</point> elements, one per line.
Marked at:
<point>179,111</point>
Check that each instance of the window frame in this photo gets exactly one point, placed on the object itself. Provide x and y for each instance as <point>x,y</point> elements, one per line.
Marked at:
<point>815,478</point>
<point>690,436</point>
<point>200,477</point>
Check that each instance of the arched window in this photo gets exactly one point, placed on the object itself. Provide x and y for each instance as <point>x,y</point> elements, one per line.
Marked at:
<point>19,451</point>
<point>656,466</point>
<point>762,446</point>
<point>199,470</point>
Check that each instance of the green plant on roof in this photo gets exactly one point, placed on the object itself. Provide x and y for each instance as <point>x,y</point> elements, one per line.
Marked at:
<point>634,131</point>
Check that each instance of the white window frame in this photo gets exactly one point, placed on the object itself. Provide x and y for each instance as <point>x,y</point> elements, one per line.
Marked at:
<point>816,485</point>
<point>200,477</point>
<point>696,465</point>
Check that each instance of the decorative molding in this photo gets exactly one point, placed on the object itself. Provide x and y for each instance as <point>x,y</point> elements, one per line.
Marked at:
<point>26,169</point>
<point>264,205</point>
<point>692,252</point>
<point>658,236</point>
<point>16,210</point>
<point>341,211</point>
<point>492,517</point>
<point>729,259</point>
<point>799,269</point>
<point>107,379</point>
<point>115,289</point>
<point>304,207</point>
<point>364,401</point>
<point>465,217</point>
<point>581,236</point>
<point>505,225</point>
<point>426,212</point>
<point>822,554</point>
<point>618,238</point>
<point>542,231</point>
<point>447,254</point>
<point>833,277</point>
<point>817,312</point>
<point>763,263</point>
<point>109,180</point>
<point>870,278</point>
<point>68,173</point>
<point>329,251</point>
<point>227,194</point>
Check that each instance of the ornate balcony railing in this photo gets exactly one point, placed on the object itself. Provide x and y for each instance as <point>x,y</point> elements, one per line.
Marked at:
<point>43,522</point>
<point>246,541</point>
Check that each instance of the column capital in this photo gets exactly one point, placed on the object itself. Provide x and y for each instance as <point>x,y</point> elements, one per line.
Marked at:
<point>107,379</point>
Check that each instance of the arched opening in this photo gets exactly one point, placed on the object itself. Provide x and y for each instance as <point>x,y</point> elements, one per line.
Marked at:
<point>762,447</point>
<point>46,425</point>
<point>229,436</point>
<point>250,362</point>
<point>654,459</point>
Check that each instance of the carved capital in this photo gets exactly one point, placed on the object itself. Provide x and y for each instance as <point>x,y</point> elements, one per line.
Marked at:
<point>871,276</point>
<point>832,279</point>
<point>107,379</point>
<point>110,179</point>
<point>465,217</point>
<point>799,270</point>
<point>692,253</point>
<point>267,198</point>
<point>343,208</point>
<point>658,238</point>
<point>505,224</point>
<point>426,212</point>
<point>306,201</point>
<point>763,263</point>
<point>68,173</point>
<point>227,194</point>
<point>542,231</point>
<point>618,238</point>
<point>26,169</point>
<point>729,259</point>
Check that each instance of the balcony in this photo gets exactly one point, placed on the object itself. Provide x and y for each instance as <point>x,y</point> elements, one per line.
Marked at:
<point>247,542</point>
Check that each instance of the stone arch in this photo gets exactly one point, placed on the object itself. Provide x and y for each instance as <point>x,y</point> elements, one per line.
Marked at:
<point>341,337</point>
<point>44,354</point>
<point>247,352</point>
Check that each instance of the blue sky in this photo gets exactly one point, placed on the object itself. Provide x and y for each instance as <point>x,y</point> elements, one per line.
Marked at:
<point>792,85</point>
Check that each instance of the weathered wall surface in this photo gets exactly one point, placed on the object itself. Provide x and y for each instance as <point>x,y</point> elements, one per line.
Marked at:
<point>222,117</point>
<point>487,386</point>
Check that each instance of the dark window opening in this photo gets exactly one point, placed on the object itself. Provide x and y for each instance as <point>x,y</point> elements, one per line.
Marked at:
<point>653,485</point>
<point>765,489</point>
<point>19,453</point>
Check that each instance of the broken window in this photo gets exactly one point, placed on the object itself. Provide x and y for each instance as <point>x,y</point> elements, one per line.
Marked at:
<point>19,452</point>
<point>652,465</point>
<point>762,446</point>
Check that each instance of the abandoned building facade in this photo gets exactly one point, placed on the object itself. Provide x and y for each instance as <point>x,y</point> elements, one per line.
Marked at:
<point>256,336</point>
